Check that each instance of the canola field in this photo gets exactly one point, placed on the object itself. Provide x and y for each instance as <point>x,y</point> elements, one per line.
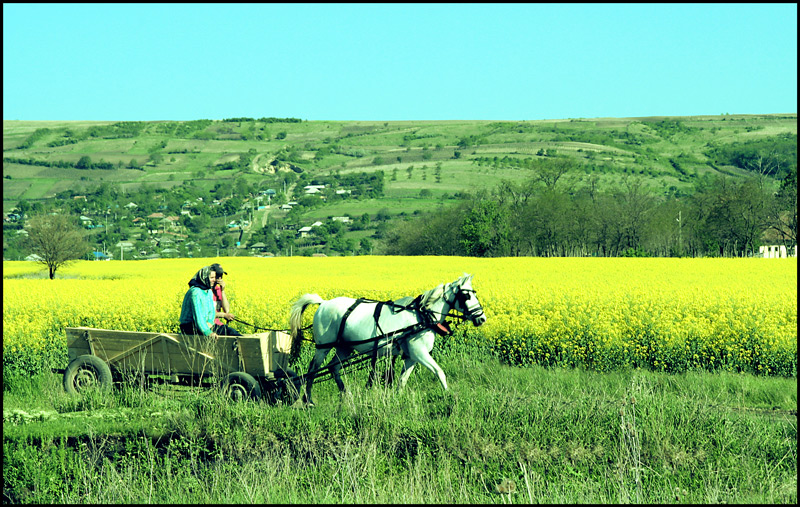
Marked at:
<point>600,314</point>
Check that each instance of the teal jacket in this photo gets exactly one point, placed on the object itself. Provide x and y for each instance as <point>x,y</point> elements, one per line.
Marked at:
<point>198,307</point>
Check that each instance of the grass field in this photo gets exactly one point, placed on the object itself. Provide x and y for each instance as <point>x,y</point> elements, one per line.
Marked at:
<point>500,435</point>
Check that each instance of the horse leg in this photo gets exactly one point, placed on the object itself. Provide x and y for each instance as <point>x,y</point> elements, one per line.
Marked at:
<point>408,367</point>
<point>385,351</point>
<point>313,366</point>
<point>372,371</point>
<point>336,365</point>
<point>422,356</point>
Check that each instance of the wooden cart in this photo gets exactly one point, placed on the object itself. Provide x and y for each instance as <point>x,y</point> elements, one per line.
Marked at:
<point>249,366</point>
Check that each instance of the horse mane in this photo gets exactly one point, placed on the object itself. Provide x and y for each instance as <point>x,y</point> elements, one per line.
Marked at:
<point>432,296</point>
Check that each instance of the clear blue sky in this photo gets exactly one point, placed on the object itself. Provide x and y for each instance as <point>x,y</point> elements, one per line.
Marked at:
<point>129,62</point>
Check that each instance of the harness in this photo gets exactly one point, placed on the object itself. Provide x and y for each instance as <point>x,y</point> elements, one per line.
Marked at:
<point>425,318</point>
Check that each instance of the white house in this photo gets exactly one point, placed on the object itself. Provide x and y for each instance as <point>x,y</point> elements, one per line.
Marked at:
<point>777,251</point>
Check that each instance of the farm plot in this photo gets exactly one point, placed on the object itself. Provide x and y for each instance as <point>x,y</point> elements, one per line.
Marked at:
<point>669,315</point>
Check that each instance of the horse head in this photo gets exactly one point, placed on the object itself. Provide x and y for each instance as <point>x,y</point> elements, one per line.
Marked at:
<point>465,300</point>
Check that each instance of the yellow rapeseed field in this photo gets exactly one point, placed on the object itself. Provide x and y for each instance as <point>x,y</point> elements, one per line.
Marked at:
<point>598,313</point>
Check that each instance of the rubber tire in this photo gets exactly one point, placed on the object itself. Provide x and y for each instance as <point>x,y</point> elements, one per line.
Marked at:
<point>85,371</point>
<point>240,386</point>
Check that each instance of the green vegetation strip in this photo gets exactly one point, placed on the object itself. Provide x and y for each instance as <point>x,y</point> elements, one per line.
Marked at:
<point>500,434</point>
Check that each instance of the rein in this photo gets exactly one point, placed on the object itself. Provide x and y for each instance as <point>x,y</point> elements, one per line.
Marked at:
<point>266,328</point>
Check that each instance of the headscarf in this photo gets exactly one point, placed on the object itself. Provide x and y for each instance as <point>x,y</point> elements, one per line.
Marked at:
<point>201,279</point>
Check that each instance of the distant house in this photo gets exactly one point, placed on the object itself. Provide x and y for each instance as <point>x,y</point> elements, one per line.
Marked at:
<point>131,205</point>
<point>304,231</point>
<point>777,251</point>
<point>155,215</point>
<point>77,197</point>
<point>33,258</point>
<point>100,256</point>
<point>344,220</point>
<point>286,206</point>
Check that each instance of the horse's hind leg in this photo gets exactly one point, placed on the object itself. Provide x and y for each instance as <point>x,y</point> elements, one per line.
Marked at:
<point>335,367</point>
<point>408,367</point>
<point>313,366</point>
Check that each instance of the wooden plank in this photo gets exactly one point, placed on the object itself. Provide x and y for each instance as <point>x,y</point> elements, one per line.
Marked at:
<point>114,345</point>
<point>165,353</point>
<point>281,351</point>
<point>185,354</point>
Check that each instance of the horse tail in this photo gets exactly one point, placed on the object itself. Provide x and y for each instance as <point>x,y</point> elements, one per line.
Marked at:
<point>296,320</point>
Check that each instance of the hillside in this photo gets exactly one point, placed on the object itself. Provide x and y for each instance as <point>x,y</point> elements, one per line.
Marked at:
<point>416,165</point>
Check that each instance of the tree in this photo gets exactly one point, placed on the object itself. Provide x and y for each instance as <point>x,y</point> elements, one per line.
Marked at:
<point>549,171</point>
<point>485,230</point>
<point>56,240</point>
<point>85,162</point>
<point>784,216</point>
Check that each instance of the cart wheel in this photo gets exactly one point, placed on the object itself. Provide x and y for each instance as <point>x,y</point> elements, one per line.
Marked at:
<point>87,372</point>
<point>241,386</point>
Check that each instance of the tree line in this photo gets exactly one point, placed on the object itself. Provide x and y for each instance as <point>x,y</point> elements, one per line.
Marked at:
<point>547,215</point>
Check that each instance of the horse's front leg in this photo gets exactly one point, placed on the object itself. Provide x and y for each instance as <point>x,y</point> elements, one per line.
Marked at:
<point>418,351</point>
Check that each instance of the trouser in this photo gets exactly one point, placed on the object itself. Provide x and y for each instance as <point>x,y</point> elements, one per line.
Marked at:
<point>190,328</point>
<point>225,330</point>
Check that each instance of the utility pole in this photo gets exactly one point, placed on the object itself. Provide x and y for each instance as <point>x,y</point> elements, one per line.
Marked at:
<point>680,233</point>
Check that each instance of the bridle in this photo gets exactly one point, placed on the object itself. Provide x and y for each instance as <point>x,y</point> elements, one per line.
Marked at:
<point>462,295</point>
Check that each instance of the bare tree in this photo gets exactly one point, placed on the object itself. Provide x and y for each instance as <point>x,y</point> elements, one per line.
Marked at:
<point>550,170</point>
<point>56,240</point>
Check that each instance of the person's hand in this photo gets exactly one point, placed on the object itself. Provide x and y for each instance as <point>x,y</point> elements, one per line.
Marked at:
<point>213,335</point>
<point>221,283</point>
<point>228,316</point>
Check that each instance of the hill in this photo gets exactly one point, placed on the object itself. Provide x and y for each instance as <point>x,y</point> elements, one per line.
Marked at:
<point>381,169</point>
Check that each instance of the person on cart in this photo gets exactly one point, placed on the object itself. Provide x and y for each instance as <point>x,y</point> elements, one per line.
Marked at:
<point>198,308</point>
<point>221,305</point>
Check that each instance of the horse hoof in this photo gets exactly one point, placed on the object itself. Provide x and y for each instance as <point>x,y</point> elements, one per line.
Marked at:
<point>300,403</point>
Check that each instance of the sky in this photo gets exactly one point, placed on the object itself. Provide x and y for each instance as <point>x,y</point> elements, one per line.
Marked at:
<point>393,62</point>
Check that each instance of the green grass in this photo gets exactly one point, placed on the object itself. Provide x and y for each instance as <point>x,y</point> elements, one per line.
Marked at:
<point>560,436</point>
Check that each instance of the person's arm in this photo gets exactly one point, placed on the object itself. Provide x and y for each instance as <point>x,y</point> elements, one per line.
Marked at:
<point>226,307</point>
<point>200,307</point>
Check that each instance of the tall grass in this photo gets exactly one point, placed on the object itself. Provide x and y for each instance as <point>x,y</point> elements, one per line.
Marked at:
<point>501,434</point>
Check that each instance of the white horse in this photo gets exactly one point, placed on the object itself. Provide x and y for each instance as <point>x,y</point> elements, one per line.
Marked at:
<point>383,328</point>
